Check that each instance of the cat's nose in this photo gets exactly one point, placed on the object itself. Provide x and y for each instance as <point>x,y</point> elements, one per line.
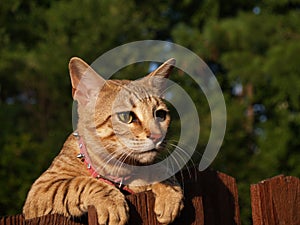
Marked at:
<point>155,137</point>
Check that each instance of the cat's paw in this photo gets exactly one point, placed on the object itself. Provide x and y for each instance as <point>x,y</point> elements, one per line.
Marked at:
<point>168,204</point>
<point>113,210</point>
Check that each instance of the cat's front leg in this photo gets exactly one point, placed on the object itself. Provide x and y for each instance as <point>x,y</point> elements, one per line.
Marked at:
<point>111,207</point>
<point>72,196</point>
<point>168,201</point>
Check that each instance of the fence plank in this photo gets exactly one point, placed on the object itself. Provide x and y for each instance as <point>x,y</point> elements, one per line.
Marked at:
<point>276,201</point>
<point>12,220</point>
<point>222,193</point>
<point>44,220</point>
<point>56,219</point>
<point>211,198</point>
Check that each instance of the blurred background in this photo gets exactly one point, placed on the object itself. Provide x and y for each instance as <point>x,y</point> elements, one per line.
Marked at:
<point>251,46</point>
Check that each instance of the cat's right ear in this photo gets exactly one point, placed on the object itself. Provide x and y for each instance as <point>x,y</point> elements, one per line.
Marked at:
<point>85,81</point>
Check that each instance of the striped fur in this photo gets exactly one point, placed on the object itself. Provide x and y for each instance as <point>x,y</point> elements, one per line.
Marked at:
<point>111,140</point>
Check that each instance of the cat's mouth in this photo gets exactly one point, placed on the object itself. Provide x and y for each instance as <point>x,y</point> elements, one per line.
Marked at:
<point>150,150</point>
<point>145,153</point>
<point>153,149</point>
<point>146,156</point>
<point>146,147</point>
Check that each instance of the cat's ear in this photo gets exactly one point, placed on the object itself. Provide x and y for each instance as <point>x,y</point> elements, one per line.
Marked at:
<point>157,78</point>
<point>85,81</point>
<point>164,70</point>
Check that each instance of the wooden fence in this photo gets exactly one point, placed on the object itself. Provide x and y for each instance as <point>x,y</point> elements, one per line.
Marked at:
<point>211,198</point>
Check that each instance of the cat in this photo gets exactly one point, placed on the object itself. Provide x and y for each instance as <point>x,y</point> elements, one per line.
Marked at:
<point>121,124</point>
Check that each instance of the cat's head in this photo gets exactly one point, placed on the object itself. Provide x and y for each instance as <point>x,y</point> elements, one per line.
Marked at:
<point>127,118</point>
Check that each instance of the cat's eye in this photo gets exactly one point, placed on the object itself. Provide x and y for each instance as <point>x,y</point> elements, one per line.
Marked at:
<point>126,117</point>
<point>161,115</point>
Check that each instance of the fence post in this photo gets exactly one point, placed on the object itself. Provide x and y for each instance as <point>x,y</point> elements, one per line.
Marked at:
<point>276,201</point>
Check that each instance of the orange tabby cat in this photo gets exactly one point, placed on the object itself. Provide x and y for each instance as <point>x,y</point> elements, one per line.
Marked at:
<point>121,124</point>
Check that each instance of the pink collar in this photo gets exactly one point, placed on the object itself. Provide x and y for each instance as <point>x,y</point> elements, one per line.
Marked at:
<point>112,180</point>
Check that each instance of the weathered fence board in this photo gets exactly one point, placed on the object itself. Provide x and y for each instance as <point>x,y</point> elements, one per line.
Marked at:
<point>44,220</point>
<point>276,201</point>
<point>12,220</point>
<point>56,219</point>
<point>211,198</point>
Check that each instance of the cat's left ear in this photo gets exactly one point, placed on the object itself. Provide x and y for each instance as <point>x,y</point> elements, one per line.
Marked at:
<point>164,70</point>
<point>157,78</point>
<point>86,82</point>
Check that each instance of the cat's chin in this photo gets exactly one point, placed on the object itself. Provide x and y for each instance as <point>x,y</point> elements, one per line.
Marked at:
<point>146,157</point>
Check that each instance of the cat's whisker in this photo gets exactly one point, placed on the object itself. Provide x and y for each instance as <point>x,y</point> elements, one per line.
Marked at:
<point>190,159</point>
<point>171,164</point>
<point>108,159</point>
<point>178,165</point>
<point>122,160</point>
<point>173,161</point>
<point>184,155</point>
<point>170,141</point>
<point>189,156</point>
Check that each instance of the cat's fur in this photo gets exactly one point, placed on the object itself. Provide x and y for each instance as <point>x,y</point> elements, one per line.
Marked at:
<point>67,186</point>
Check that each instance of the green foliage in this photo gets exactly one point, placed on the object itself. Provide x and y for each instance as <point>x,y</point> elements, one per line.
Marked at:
<point>254,44</point>
<point>260,52</point>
